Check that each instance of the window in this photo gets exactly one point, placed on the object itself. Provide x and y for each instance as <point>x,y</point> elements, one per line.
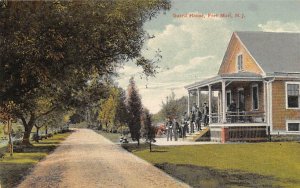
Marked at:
<point>255,97</point>
<point>228,98</point>
<point>293,95</point>
<point>293,125</point>
<point>240,64</point>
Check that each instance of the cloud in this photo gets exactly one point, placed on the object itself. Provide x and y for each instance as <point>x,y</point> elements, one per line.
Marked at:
<point>154,100</point>
<point>192,50</point>
<point>192,65</point>
<point>185,39</point>
<point>278,26</point>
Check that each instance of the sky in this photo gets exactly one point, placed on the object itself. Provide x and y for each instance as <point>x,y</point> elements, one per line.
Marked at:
<point>193,41</point>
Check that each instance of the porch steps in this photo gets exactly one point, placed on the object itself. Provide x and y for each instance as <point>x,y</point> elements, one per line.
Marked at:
<point>198,135</point>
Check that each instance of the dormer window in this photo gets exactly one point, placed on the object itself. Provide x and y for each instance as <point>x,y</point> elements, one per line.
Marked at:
<point>240,63</point>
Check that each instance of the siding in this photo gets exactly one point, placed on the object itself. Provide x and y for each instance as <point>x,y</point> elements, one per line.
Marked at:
<point>229,63</point>
<point>280,113</point>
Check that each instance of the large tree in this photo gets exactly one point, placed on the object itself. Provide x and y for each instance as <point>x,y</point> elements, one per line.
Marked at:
<point>134,107</point>
<point>53,48</point>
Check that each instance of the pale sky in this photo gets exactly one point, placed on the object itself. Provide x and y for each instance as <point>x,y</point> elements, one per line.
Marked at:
<point>192,48</point>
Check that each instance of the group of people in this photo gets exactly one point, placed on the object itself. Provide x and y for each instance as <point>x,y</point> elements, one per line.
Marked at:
<point>189,122</point>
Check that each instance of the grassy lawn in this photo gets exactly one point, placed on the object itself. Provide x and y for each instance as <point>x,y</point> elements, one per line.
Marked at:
<point>114,137</point>
<point>275,164</point>
<point>12,170</point>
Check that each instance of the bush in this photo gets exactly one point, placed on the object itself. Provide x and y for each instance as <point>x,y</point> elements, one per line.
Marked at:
<point>2,154</point>
<point>123,130</point>
<point>17,142</point>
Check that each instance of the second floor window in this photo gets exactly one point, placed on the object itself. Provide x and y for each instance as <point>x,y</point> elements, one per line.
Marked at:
<point>240,63</point>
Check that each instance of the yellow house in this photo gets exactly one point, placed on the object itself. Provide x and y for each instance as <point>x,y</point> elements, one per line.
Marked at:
<point>260,74</point>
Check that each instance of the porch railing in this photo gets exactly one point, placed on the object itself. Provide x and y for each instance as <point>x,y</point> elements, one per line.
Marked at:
<point>240,117</point>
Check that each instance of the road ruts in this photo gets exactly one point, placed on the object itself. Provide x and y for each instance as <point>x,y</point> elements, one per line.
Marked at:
<point>87,159</point>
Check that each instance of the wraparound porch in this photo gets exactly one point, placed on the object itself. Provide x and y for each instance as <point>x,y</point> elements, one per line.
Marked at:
<point>239,106</point>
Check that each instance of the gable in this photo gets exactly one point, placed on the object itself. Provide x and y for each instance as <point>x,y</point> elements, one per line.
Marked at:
<point>229,63</point>
<point>273,51</point>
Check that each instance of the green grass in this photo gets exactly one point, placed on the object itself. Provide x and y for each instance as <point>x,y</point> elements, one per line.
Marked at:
<point>277,162</point>
<point>114,137</point>
<point>13,169</point>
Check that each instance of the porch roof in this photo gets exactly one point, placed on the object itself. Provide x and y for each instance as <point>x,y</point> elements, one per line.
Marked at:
<point>239,76</point>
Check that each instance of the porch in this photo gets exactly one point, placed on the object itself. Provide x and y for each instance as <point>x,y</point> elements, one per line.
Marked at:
<point>238,106</point>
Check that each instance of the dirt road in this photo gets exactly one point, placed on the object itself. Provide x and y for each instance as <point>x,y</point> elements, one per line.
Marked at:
<point>87,159</point>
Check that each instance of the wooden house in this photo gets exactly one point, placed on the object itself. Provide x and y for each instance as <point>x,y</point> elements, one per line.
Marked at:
<point>260,75</point>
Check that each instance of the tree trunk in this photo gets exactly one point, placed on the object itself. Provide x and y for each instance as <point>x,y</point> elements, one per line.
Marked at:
<point>138,141</point>
<point>150,147</point>
<point>27,127</point>
<point>37,130</point>
<point>26,137</point>
<point>46,131</point>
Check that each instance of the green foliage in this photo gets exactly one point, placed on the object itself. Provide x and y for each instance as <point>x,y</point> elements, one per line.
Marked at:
<point>13,170</point>
<point>147,130</point>
<point>108,110</point>
<point>134,107</point>
<point>113,112</point>
<point>171,108</point>
<point>176,107</point>
<point>114,137</point>
<point>51,50</point>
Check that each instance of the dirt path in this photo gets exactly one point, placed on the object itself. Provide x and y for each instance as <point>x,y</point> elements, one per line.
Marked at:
<point>87,159</point>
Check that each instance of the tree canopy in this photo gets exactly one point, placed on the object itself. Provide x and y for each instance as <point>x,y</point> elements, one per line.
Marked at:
<point>52,49</point>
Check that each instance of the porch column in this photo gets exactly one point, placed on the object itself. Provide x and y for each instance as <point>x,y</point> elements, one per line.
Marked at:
<point>270,105</point>
<point>209,103</point>
<point>223,102</point>
<point>265,102</point>
<point>188,107</point>
<point>198,97</point>
<point>219,106</point>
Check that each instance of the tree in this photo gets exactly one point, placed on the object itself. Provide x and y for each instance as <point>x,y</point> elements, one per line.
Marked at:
<point>134,107</point>
<point>113,111</point>
<point>53,48</point>
<point>54,120</point>
<point>147,127</point>
<point>121,112</point>
<point>172,108</point>
<point>108,110</point>
<point>176,107</point>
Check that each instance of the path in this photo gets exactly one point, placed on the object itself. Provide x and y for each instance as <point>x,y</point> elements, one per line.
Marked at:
<point>87,159</point>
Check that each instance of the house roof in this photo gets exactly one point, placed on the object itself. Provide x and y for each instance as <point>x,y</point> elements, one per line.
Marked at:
<point>274,52</point>
<point>278,54</point>
<point>239,76</point>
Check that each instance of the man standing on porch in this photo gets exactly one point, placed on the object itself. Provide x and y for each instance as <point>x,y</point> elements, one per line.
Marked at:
<point>205,113</point>
<point>232,111</point>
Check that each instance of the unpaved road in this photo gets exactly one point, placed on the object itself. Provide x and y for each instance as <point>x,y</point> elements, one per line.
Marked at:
<point>87,159</point>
